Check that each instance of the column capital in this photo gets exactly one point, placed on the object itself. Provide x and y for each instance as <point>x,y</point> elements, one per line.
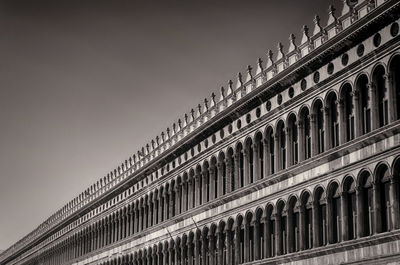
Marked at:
<point>371,86</point>
<point>313,117</point>
<point>388,76</point>
<point>355,93</point>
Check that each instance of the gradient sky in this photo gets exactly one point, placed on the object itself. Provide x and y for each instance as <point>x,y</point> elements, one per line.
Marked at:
<point>84,84</point>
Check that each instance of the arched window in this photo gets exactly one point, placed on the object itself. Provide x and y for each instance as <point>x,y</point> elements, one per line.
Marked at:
<point>320,230</point>
<point>269,227</point>
<point>213,178</point>
<point>348,112</point>
<point>249,160</point>
<point>333,123</point>
<point>292,228</point>
<point>231,170</point>
<point>365,103</point>
<point>394,76</point>
<point>293,147</point>
<point>240,164</point>
<point>334,210</point>
<point>249,238</point>
<point>367,206</point>
<point>383,220</point>
<point>319,130</point>
<point>198,185</point>
<point>258,236</point>
<point>220,185</point>
<point>350,209</point>
<point>306,222</point>
<point>270,149</point>
<point>280,229</point>
<point>381,92</point>
<point>281,140</point>
<point>206,183</point>
<point>259,159</point>
<point>305,134</point>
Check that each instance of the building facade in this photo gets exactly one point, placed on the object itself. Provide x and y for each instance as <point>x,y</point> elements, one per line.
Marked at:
<point>297,163</point>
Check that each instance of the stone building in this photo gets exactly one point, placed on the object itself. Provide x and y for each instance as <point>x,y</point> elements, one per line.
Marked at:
<point>296,163</point>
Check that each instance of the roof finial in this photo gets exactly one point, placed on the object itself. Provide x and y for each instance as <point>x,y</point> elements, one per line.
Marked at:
<point>249,74</point>
<point>260,67</point>
<point>168,133</point>
<point>179,124</point>
<point>212,103</point>
<point>205,105</point>
<point>230,87</point>
<point>222,94</point>
<point>239,80</point>
<point>270,61</point>
<point>280,52</point>
<point>317,26</point>
<point>192,114</point>
<point>174,128</point>
<point>185,120</point>
<point>198,110</point>
<point>306,37</point>
<point>292,41</point>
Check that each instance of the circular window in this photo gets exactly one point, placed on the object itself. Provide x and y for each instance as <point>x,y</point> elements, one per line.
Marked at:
<point>213,138</point>
<point>199,148</point>
<point>230,128</point>
<point>330,68</point>
<point>360,50</point>
<point>316,77</point>
<point>291,92</point>
<point>258,112</point>
<point>192,152</point>
<point>186,158</point>
<point>377,39</point>
<point>179,160</point>
<point>239,124</point>
<point>168,168</point>
<point>394,29</point>
<point>173,164</point>
<point>345,59</point>
<point>248,118</point>
<point>206,143</point>
<point>222,133</point>
<point>279,99</point>
<point>268,105</point>
<point>303,84</point>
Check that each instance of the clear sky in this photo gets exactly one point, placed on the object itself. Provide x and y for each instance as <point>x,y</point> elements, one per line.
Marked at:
<point>85,84</point>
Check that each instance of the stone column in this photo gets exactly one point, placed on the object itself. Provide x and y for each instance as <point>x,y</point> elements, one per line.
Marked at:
<point>302,225</point>
<point>290,232</point>
<point>198,188</point>
<point>345,218</point>
<point>360,212</point>
<point>141,216</point>
<point>246,241</point>
<point>289,146</point>
<point>184,193</point>
<point>327,128</point>
<point>278,234</point>
<point>237,245</point>
<point>256,238</point>
<point>373,105</point>
<point>394,202</point>
<point>314,134</point>
<point>171,201</point>
<point>204,249</point>
<point>212,182</point>
<point>178,198</point>
<point>220,186</point>
<point>392,112</point>
<point>301,141</point>
<point>220,239</point>
<point>357,113</point>
<point>277,153</point>
<point>342,121</point>
<point>237,169</point>
<point>196,250</point>
<point>228,240</point>
<point>246,165</point>
<point>315,224</point>
<point>229,170</point>
<point>190,252</point>
<point>267,238</point>
<point>377,208</point>
<point>205,179</point>
<point>267,158</point>
<point>166,204</point>
<point>256,161</point>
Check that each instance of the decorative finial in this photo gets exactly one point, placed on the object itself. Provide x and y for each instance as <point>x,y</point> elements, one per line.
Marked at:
<point>306,37</point>
<point>174,128</point>
<point>153,144</point>
<point>280,52</point>
<point>168,133</point>
<point>158,140</point>
<point>260,67</point>
<point>222,93</point>
<point>179,124</point>
<point>192,114</point>
<point>212,103</point>
<point>185,120</point>
<point>205,105</point>
<point>198,110</point>
<point>239,80</point>
<point>270,61</point>
<point>249,74</point>
<point>230,87</point>
<point>163,136</point>
<point>292,41</point>
<point>130,161</point>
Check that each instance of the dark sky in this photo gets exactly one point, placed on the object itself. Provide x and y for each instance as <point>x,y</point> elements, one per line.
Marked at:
<point>84,84</point>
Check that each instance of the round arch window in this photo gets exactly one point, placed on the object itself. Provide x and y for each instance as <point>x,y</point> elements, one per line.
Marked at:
<point>303,84</point>
<point>330,68</point>
<point>345,59</point>
<point>258,112</point>
<point>360,50</point>
<point>222,133</point>
<point>239,124</point>
<point>377,39</point>
<point>394,29</point>
<point>291,92</point>
<point>268,105</point>
<point>248,118</point>
<point>316,77</point>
